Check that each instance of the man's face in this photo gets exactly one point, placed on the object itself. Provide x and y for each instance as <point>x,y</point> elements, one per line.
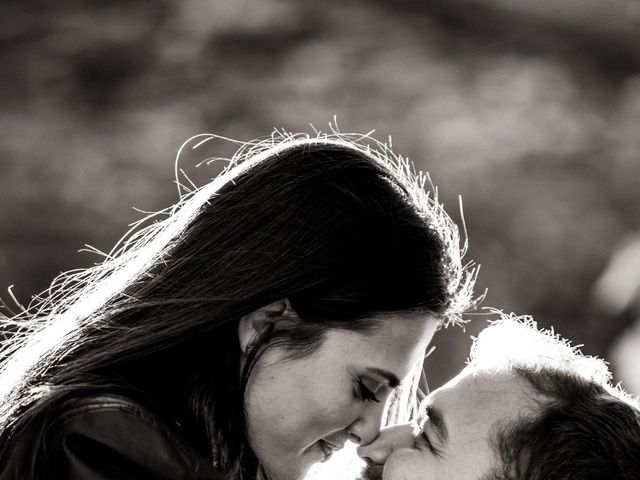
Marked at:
<point>456,431</point>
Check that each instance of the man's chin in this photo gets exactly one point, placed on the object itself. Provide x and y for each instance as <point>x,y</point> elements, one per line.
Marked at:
<point>371,472</point>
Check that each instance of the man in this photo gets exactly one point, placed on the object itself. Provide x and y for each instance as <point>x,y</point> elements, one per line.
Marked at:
<point>528,406</point>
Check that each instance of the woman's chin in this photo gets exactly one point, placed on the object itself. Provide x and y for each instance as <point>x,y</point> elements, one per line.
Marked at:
<point>291,471</point>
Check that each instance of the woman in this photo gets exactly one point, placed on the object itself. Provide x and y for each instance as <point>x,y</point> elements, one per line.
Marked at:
<point>266,320</point>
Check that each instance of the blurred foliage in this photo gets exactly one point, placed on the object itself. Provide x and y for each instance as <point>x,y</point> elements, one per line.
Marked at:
<point>530,110</point>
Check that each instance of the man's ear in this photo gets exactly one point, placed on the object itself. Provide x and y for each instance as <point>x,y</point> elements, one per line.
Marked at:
<point>253,324</point>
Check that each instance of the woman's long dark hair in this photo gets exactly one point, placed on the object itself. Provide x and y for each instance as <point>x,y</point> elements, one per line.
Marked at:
<point>342,229</point>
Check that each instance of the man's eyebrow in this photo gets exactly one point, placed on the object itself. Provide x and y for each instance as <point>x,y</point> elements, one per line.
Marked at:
<point>392,380</point>
<point>437,420</point>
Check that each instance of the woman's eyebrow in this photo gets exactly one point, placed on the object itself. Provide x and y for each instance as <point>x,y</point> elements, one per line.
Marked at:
<point>392,380</point>
<point>437,420</point>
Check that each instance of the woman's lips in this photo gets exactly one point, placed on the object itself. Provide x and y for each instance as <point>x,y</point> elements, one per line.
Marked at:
<point>327,449</point>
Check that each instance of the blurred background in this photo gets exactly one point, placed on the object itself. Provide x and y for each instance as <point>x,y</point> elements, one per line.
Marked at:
<point>529,110</point>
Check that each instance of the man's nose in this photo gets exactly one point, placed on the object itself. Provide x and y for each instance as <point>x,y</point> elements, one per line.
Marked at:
<point>390,439</point>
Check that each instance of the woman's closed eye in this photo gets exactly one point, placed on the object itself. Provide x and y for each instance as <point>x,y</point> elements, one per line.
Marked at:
<point>366,390</point>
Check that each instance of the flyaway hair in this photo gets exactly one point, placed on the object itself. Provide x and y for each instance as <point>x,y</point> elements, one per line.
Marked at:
<point>338,223</point>
<point>580,425</point>
<point>515,341</point>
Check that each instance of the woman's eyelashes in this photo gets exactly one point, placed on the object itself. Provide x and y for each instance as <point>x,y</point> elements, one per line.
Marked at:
<point>367,392</point>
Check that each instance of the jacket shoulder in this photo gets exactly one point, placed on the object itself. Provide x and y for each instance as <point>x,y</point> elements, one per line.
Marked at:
<point>105,436</point>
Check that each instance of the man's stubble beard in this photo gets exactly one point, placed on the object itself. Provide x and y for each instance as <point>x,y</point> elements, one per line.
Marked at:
<point>371,472</point>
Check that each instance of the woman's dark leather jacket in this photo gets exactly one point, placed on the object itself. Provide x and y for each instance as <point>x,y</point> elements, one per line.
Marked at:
<point>103,437</point>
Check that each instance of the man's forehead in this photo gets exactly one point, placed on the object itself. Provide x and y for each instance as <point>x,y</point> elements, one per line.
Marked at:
<point>514,341</point>
<point>475,390</point>
<point>472,377</point>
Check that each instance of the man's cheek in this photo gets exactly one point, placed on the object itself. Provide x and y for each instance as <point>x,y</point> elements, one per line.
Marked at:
<point>406,464</point>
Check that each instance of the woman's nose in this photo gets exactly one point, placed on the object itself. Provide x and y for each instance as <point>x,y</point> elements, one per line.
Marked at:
<point>390,439</point>
<point>367,426</point>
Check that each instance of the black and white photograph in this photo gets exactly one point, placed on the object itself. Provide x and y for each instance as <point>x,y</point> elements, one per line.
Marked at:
<point>340,240</point>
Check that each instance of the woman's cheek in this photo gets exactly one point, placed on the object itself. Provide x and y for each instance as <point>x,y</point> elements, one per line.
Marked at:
<point>349,410</point>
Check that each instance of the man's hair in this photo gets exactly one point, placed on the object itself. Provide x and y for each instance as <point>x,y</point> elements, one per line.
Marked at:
<point>583,427</point>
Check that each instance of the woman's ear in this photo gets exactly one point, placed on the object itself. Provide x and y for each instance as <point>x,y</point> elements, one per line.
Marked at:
<point>253,324</point>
